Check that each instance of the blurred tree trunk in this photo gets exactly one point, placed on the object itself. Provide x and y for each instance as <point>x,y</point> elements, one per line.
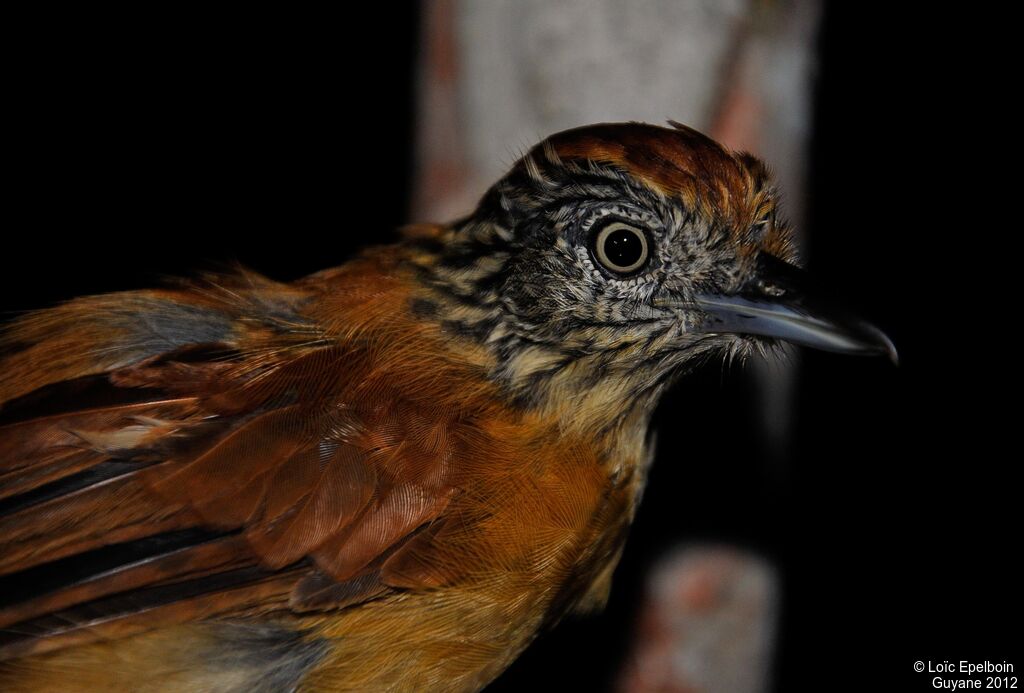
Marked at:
<point>498,76</point>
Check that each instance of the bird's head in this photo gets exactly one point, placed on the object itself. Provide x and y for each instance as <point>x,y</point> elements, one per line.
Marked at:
<point>611,257</point>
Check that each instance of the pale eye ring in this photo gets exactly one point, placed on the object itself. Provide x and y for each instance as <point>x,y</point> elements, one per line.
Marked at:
<point>621,248</point>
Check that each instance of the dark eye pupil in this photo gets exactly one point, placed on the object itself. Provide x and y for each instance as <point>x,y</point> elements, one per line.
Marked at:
<point>623,248</point>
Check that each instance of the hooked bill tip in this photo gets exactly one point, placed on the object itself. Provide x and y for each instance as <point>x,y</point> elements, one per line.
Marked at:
<point>885,345</point>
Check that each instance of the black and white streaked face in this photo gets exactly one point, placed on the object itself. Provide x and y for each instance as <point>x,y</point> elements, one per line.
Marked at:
<point>614,255</point>
<point>599,275</point>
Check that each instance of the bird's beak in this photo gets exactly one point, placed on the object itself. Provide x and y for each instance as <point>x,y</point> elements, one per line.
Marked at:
<point>778,302</point>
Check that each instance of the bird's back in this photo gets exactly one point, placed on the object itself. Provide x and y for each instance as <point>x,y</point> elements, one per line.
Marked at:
<point>239,484</point>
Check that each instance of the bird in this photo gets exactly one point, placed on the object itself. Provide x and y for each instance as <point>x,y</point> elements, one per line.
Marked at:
<point>393,474</point>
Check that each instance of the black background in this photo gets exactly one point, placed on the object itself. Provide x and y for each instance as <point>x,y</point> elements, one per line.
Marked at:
<point>139,147</point>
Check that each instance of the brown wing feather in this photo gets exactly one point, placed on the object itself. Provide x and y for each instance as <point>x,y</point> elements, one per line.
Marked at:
<point>42,450</point>
<point>281,435</point>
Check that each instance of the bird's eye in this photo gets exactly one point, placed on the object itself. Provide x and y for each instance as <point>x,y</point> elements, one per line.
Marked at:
<point>620,247</point>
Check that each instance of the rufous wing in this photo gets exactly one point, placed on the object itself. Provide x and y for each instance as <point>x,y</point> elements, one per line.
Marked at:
<point>202,452</point>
